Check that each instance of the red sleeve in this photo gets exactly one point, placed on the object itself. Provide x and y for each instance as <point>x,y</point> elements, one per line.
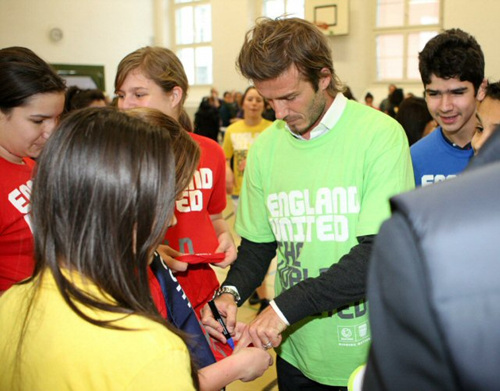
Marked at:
<point>212,156</point>
<point>219,198</point>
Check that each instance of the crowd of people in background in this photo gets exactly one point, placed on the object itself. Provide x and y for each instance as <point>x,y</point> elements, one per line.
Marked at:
<point>111,223</point>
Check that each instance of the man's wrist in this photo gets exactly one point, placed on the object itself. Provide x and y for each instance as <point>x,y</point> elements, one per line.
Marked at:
<point>276,309</point>
<point>229,289</point>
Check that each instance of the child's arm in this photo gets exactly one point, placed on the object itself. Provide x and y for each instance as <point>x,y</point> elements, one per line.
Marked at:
<point>246,365</point>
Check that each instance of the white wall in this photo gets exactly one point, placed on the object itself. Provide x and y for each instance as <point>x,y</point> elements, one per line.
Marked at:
<point>102,32</point>
<point>353,53</point>
<point>230,20</point>
<point>96,32</point>
<point>479,18</point>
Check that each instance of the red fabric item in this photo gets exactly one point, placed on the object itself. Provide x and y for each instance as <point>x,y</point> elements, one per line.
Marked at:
<point>194,259</point>
<point>16,238</point>
<point>194,231</point>
<point>157,294</point>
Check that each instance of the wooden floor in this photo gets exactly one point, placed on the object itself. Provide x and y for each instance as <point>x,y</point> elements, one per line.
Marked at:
<point>248,312</point>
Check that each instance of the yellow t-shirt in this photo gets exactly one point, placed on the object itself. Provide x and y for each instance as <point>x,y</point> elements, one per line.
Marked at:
<point>237,140</point>
<point>61,351</point>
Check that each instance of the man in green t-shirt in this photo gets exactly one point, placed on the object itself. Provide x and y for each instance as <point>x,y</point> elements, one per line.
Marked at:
<point>315,191</point>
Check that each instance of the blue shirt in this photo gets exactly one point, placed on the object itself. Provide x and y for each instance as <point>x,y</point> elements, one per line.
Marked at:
<point>435,159</point>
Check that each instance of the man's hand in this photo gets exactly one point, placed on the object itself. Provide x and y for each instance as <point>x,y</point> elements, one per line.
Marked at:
<point>227,308</point>
<point>264,331</point>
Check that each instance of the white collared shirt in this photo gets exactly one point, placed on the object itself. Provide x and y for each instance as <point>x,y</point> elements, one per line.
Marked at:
<point>329,120</point>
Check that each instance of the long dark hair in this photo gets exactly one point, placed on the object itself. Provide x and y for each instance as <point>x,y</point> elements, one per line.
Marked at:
<point>186,151</point>
<point>102,198</point>
<point>24,74</point>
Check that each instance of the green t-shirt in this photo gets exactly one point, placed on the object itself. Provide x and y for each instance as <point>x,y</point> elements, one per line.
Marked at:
<point>314,197</point>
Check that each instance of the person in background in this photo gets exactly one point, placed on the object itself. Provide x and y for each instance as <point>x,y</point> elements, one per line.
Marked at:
<point>452,69</point>
<point>31,102</point>
<point>369,100</point>
<point>315,191</point>
<point>227,109</point>
<point>348,93</point>
<point>241,135</point>
<point>76,98</point>
<point>206,119</point>
<point>385,104</point>
<point>214,94</point>
<point>154,77</point>
<point>415,119</point>
<point>238,103</point>
<point>395,99</point>
<point>488,116</point>
<point>87,309</point>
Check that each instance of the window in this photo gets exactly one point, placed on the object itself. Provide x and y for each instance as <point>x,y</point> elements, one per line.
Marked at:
<point>403,27</point>
<point>275,8</point>
<point>193,39</point>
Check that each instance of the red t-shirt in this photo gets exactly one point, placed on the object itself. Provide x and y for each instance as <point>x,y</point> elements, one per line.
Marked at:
<point>16,238</point>
<point>194,231</point>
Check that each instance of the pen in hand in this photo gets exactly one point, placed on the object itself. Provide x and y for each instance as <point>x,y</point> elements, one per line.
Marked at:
<point>218,318</point>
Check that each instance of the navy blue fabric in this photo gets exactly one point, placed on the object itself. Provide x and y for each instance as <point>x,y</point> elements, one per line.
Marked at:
<point>181,314</point>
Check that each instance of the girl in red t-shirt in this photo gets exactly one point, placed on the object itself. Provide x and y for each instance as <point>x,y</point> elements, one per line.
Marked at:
<point>31,101</point>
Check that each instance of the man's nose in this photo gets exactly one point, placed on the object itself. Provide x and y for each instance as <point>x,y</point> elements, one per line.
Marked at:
<point>280,109</point>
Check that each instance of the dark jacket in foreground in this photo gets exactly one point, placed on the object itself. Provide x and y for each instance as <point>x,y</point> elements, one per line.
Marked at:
<point>433,287</point>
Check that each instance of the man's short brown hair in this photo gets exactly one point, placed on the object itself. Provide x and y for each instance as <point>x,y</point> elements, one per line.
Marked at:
<point>273,45</point>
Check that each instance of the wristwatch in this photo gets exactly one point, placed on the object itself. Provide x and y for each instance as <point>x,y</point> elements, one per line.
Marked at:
<point>228,289</point>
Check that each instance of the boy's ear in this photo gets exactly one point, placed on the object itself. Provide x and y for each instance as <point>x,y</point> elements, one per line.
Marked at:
<point>481,92</point>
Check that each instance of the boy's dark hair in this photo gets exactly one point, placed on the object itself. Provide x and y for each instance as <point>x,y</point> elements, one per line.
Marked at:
<point>453,53</point>
<point>493,90</point>
<point>77,98</point>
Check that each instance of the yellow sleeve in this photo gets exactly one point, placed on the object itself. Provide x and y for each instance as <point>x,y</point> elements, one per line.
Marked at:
<point>227,145</point>
<point>170,371</point>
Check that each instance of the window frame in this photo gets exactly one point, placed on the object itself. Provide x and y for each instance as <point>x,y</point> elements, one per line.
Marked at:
<point>405,30</point>
<point>176,47</point>
<point>285,3</point>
